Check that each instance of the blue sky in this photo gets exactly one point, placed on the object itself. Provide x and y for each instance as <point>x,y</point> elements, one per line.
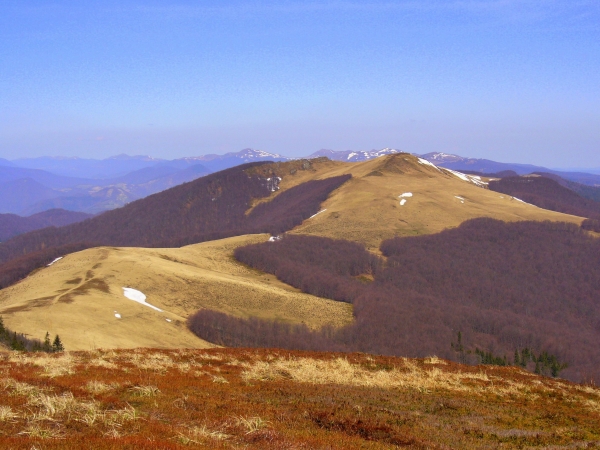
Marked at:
<point>507,80</point>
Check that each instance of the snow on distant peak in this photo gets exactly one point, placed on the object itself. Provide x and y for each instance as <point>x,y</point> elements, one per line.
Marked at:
<point>354,156</point>
<point>440,157</point>
<point>252,153</point>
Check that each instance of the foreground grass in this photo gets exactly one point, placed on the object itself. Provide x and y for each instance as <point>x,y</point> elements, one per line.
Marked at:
<point>237,398</point>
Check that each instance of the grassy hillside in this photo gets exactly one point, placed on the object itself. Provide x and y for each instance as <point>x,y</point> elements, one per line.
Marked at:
<point>367,208</point>
<point>78,296</point>
<point>257,399</point>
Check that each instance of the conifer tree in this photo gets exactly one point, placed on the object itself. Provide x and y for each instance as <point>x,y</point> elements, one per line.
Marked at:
<point>57,345</point>
<point>46,346</point>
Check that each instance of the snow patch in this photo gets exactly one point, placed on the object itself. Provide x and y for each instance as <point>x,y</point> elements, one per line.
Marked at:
<point>427,163</point>
<point>402,202</point>
<point>519,200</point>
<point>117,315</point>
<point>168,320</point>
<point>462,200</point>
<point>274,238</point>
<point>406,194</point>
<point>476,180</point>
<point>352,154</point>
<point>57,259</point>
<point>323,210</point>
<point>139,297</point>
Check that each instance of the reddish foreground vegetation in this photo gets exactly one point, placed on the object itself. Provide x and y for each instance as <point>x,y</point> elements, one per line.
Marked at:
<point>260,398</point>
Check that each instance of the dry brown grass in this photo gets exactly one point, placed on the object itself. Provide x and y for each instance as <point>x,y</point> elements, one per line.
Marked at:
<point>366,209</point>
<point>178,281</point>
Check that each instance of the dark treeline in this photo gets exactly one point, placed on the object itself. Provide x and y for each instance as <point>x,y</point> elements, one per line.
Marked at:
<point>591,225</point>
<point>548,194</point>
<point>291,207</point>
<point>584,190</point>
<point>20,342</point>
<point>507,286</point>
<point>12,225</point>
<point>209,208</point>
<point>221,329</point>
<point>319,266</point>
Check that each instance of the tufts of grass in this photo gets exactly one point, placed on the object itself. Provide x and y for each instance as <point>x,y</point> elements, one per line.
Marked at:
<point>145,391</point>
<point>38,431</point>
<point>196,435</point>
<point>7,414</point>
<point>251,424</point>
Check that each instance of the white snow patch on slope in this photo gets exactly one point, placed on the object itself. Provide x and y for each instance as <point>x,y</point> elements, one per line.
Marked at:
<point>57,259</point>
<point>476,180</point>
<point>406,194</point>
<point>137,296</point>
<point>351,155</point>
<point>117,315</point>
<point>323,210</point>
<point>402,202</point>
<point>519,200</point>
<point>427,163</point>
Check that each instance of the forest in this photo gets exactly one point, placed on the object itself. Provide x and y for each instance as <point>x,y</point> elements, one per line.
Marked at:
<point>504,286</point>
<point>208,208</point>
<point>548,194</point>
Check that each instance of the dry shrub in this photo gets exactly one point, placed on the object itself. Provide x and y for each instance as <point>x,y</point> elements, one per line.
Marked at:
<point>145,391</point>
<point>38,431</point>
<point>434,360</point>
<point>195,435</point>
<point>19,388</point>
<point>7,414</point>
<point>251,424</point>
<point>98,387</point>
<point>53,365</point>
<point>340,371</point>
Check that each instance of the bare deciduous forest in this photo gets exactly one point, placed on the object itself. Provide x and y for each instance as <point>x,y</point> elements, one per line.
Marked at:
<point>548,194</point>
<point>211,207</point>
<point>505,286</point>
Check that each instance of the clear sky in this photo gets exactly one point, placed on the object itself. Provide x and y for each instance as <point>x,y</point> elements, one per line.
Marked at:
<point>509,80</point>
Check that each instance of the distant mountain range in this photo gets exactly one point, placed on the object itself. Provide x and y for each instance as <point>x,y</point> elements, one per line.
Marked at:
<point>32,185</point>
<point>456,162</point>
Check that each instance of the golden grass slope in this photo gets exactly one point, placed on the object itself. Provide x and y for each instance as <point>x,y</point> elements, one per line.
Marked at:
<point>78,296</point>
<point>270,399</point>
<point>367,208</point>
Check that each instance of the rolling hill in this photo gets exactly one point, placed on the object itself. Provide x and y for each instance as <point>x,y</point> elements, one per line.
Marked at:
<point>78,296</point>
<point>363,208</point>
